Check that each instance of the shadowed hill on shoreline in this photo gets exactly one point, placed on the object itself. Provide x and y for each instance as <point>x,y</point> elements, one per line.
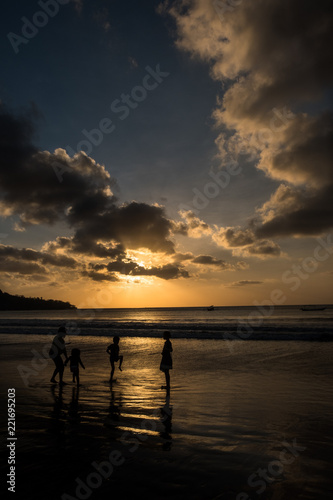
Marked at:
<point>19,303</point>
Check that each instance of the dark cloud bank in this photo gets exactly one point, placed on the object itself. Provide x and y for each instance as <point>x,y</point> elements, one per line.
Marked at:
<point>39,187</point>
<point>273,56</point>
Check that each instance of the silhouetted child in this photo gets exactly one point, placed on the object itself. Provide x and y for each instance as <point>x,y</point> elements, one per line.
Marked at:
<point>166,363</point>
<point>113,350</point>
<point>74,362</point>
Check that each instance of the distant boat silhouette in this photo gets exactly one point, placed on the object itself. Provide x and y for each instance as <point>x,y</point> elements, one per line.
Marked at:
<point>210,308</point>
<point>313,308</point>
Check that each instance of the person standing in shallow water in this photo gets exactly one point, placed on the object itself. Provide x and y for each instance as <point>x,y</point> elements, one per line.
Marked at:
<point>75,360</point>
<point>166,363</point>
<point>57,349</point>
<point>113,351</point>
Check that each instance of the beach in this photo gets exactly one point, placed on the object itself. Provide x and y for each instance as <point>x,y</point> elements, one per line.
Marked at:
<point>249,421</point>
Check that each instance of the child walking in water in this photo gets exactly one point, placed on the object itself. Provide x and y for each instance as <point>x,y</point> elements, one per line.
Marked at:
<point>113,351</point>
<point>166,363</point>
<point>74,362</point>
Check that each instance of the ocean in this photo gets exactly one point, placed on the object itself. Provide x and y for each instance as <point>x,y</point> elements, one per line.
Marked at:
<point>262,322</point>
<point>236,410</point>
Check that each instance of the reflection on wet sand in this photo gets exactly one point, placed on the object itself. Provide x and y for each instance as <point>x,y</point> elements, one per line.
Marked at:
<point>58,412</point>
<point>113,416</point>
<point>232,414</point>
<point>73,410</point>
<point>166,414</point>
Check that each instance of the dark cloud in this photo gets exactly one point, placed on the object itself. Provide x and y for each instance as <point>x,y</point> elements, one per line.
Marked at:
<point>86,247</point>
<point>211,261</point>
<point>263,248</point>
<point>45,188</point>
<point>237,238</point>
<point>275,52</point>
<point>306,161</point>
<point>247,242</point>
<point>246,283</point>
<point>134,225</point>
<point>276,57</point>
<point>305,156</point>
<point>96,276</point>
<point>29,184</point>
<point>166,272</point>
<point>313,216</point>
<point>16,266</point>
<point>130,268</point>
<point>180,257</point>
<point>287,54</point>
<point>26,254</point>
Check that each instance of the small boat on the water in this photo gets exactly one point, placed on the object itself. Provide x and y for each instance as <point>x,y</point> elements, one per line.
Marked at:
<point>313,308</point>
<point>210,308</point>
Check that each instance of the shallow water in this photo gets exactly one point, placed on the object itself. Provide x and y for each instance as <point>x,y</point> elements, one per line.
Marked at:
<point>230,413</point>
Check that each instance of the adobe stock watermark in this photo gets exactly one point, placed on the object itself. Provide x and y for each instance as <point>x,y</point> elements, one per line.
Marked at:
<point>221,179</point>
<point>103,470</point>
<point>293,277</point>
<point>274,470</point>
<point>265,135</point>
<point>30,28</point>
<point>223,6</point>
<point>121,107</point>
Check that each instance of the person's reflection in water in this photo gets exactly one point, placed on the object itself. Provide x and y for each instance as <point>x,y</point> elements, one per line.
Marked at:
<point>114,409</point>
<point>73,410</point>
<point>58,411</point>
<point>166,413</point>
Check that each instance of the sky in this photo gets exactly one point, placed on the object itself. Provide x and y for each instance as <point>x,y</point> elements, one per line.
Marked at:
<point>167,153</point>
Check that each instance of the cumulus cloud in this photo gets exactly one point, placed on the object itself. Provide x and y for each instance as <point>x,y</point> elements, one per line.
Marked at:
<point>167,272</point>
<point>273,58</point>
<point>246,243</point>
<point>131,268</point>
<point>262,249</point>
<point>45,188</point>
<point>30,187</point>
<point>180,257</point>
<point>281,52</point>
<point>18,267</point>
<point>192,226</point>
<point>32,262</point>
<point>233,237</point>
<point>134,225</point>
<point>96,276</point>
<point>39,187</point>
<point>8,252</point>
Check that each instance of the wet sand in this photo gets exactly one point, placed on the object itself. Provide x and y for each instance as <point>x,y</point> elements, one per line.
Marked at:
<point>251,422</point>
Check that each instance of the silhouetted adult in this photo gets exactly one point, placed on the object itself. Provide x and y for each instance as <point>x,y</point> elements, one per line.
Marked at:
<point>166,363</point>
<point>57,349</point>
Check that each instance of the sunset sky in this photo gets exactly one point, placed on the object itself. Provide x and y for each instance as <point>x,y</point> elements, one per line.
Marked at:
<point>167,153</point>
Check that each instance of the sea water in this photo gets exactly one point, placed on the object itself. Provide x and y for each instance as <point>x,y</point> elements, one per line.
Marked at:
<point>263,322</point>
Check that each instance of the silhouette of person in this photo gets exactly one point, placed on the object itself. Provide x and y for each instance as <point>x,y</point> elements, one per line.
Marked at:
<point>113,351</point>
<point>74,362</point>
<point>166,363</point>
<point>57,349</point>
